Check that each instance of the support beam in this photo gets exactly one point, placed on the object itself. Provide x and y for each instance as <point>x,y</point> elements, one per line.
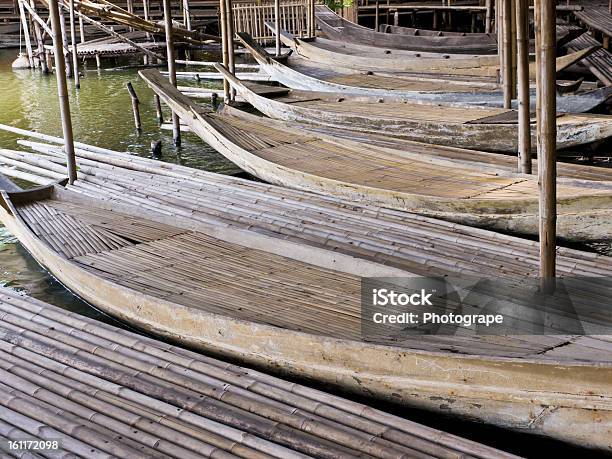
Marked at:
<point>40,43</point>
<point>62,90</point>
<point>75,56</point>
<point>224,47</point>
<point>176,126</point>
<point>522,40</point>
<point>489,16</point>
<point>507,52</point>
<point>145,9</point>
<point>81,30</point>
<point>547,145</point>
<point>277,27</point>
<point>66,53</point>
<point>230,44</point>
<point>26,32</point>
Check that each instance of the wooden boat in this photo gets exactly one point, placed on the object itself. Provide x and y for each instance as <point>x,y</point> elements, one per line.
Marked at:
<point>335,53</point>
<point>490,129</point>
<point>340,29</point>
<point>162,422</point>
<point>242,295</point>
<point>308,76</point>
<point>396,179</point>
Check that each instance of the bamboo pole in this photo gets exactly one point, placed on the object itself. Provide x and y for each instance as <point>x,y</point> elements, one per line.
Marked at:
<point>62,90</point>
<point>40,44</point>
<point>145,8</point>
<point>230,44</point>
<point>489,16</point>
<point>277,27</point>
<point>75,56</point>
<point>524,132</point>
<point>176,127</point>
<point>135,106</point>
<point>26,32</point>
<point>224,47</point>
<point>158,109</point>
<point>547,172</point>
<point>81,30</point>
<point>507,52</point>
<point>66,52</point>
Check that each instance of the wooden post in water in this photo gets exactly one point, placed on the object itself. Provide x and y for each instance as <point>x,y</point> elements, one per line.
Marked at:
<point>547,145</point>
<point>40,44</point>
<point>65,53</point>
<point>62,89</point>
<point>75,56</point>
<point>230,43</point>
<point>277,27</point>
<point>224,47</point>
<point>135,106</point>
<point>313,20</point>
<point>176,126</point>
<point>158,109</point>
<point>507,52</point>
<point>26,32</point>
<point>522,40</point>
<point>376,12</point>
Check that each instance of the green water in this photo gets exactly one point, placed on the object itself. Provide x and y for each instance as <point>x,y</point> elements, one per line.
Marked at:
<point>101,115</point>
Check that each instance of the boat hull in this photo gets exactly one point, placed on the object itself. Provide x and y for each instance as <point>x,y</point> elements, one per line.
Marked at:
<point>548,398</point>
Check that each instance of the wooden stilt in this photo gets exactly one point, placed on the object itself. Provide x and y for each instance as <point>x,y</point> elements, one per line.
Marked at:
<point>130,8</point>
<point>513,47</point>
<point>98,63</point>
<point>507,52</point>
<point>176,126</point>
<point>66,53</point>
<point>224,47</point>
<point>26,32</point>
<point>135,106</point>
<point>547,146</point>
<point>75,56</point>
<point>522,39</point>
<point>40,44</point>
<point>230,43</point>
<point>277,26</point>
<point>158,109</point>
<point>81,30</point>
<point>489,16</point>
<point>62,89</point>
<point>312,18</point>
<point>376,13</point>
<point>145,8</point>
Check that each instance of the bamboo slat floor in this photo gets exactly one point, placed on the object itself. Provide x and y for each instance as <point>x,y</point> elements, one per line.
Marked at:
<point>104,392</point>
<point>599,63</point>
<point>190,274</point>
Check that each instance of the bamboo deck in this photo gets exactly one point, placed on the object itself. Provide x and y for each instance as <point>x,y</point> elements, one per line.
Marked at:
<point>104,392</point>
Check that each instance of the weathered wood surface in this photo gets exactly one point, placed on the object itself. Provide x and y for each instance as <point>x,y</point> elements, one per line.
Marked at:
<point>597,18</point>
<point>353,170</point>
<point>599,63</point>
<point>546,366</point>
<point>105,392</point>
<point>441,124</point>
<point>340,29</point>
<point>304,74</point>
<point>334,53</point>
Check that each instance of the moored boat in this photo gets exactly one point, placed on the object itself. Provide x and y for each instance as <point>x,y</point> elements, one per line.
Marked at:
<point>304,75</point>
<point>477,128</point>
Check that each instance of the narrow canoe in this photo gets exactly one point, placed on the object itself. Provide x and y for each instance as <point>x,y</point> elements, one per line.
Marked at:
<point>489,129</point>
<point>340,29</point>
<point>307,76</point>
<point>238,294</point>
<point>403,180</point>
<point>335,53</point>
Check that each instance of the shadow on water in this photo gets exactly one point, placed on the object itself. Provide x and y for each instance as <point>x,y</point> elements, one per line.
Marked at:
<point>102,116</point>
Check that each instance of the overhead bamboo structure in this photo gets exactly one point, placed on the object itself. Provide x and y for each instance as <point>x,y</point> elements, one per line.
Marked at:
<point>176,129</point>
<point>62,90</point>
<point>547,145</point>
<point>524,115</point>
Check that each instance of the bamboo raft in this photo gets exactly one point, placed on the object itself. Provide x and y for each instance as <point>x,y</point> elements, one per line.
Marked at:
<point>87,235</point>
<point>336,53</point>
<point>306,75</point>
<point>351,169</point>
<point>105,392</point>
<point>477,128</point>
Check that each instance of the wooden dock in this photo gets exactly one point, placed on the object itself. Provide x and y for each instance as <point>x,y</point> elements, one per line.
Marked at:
<point>103,392</point>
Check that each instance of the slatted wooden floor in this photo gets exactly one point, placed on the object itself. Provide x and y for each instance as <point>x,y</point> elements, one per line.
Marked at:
<point>599,63</point>
<point>202,272</point>
<point>597,18</point>
<point>373,168</point>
